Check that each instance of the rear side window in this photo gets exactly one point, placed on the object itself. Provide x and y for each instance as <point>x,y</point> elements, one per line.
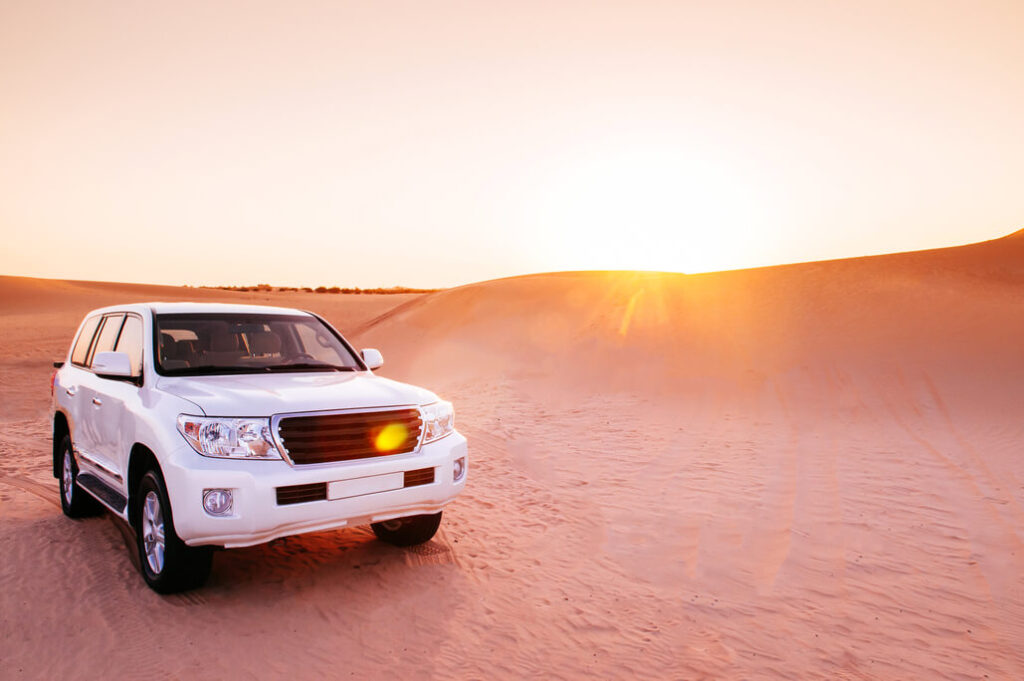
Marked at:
<point>81,349</point>
<point>130,343</point>
<point>107,337</point>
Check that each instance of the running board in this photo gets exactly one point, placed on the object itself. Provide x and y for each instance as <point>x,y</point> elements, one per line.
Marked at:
<point>108,496</point>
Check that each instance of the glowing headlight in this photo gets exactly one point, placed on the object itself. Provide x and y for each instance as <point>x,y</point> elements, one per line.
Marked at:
<point>438,421</point>
<point>229,438</point>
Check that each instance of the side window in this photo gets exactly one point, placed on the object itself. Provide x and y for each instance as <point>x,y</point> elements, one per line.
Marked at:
<point>81,349</point>
<point>108,335</point>
<point>130,343</point>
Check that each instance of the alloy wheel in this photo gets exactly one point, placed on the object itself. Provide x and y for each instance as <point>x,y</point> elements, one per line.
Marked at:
<point>154,543</point>
<point>68,478</point>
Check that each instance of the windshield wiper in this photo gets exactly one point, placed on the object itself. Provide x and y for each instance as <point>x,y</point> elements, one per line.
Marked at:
<point>307,366</point>
<point>211,369</point>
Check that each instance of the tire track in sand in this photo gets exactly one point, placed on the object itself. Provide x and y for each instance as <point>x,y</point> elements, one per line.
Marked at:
<point>986,525</point>
<point>770,537</point>
<point>1005,504</point>
<point>42,491</point>
<point>965,495</point>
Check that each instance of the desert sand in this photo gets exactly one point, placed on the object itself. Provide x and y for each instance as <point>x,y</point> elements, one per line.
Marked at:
<point>800,472</point>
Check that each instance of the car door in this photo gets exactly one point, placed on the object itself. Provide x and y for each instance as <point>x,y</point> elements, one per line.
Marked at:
<point>95,408</point>
<point>71,397</point>
<point>116,428</point>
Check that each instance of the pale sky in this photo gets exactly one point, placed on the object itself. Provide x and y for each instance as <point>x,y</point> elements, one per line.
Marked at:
<point>439,143</point>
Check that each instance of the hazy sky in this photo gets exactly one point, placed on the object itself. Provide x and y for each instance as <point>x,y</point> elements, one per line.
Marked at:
<point>438,143</point>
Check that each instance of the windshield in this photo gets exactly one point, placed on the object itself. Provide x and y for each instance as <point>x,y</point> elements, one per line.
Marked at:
<point>217,343</point>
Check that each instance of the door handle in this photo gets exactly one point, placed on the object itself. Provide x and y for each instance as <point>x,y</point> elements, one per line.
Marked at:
<point>97,401</point>
<point>71,391</point>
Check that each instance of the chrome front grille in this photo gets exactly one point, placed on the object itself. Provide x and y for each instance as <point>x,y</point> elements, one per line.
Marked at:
<point>346,436</point>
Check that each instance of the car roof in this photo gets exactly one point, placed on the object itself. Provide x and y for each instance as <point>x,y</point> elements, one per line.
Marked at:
<point>197,308</point>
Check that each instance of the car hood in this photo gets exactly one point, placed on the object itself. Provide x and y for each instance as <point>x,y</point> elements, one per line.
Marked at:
<point>269,394</point>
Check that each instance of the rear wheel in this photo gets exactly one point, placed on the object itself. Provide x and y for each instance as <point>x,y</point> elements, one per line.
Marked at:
<point>168,564</point>
<point>73,501</point>
<point>409,531</point>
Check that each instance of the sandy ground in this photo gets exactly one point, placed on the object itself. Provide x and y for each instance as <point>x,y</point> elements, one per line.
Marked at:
<point>802,472</point>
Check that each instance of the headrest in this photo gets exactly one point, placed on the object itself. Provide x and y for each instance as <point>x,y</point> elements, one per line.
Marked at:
<point>265,343</point>
<point>223,341</point>
<point>167,344</point>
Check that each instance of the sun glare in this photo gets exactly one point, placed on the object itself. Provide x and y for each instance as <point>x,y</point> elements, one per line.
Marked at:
<point>391,437</point>
<point>670,210</point>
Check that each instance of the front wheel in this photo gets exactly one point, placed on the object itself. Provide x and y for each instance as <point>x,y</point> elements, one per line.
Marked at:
<point>409,531</point>
<point>168,564</point>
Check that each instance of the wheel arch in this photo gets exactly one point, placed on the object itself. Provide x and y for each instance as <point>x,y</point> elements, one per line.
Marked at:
<point>60,429</point>
<point>140,460</point>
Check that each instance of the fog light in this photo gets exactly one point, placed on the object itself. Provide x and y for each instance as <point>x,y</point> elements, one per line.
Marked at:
<point>217,501</point>
<point>459,468</point>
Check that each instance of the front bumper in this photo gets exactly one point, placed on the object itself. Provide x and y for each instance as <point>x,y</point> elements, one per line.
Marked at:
<point>256,516</point>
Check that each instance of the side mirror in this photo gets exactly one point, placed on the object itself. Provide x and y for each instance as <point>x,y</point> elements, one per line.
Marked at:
<point>112,365</point>
<point>373,359</point>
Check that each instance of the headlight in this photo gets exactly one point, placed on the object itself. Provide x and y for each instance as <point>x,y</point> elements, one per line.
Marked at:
<point>438,421</point>
<point>229,438</point>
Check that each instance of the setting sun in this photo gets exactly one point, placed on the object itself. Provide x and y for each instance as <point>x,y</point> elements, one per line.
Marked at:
<point>669,209</point>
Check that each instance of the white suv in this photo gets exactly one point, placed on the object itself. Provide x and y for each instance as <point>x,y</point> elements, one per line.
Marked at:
<point>206,425</point>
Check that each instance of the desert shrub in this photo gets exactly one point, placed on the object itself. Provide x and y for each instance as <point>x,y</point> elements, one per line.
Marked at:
<point>355,290</point>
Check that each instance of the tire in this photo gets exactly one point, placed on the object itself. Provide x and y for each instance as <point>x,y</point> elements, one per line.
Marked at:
<point>409,531</point>
<point>167,564</point>
<point>75,502</point>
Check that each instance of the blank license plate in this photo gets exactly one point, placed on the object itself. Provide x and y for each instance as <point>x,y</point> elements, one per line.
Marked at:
<point>342,489</point>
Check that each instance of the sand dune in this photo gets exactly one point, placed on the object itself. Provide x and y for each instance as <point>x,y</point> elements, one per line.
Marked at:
<point>808,471</point>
